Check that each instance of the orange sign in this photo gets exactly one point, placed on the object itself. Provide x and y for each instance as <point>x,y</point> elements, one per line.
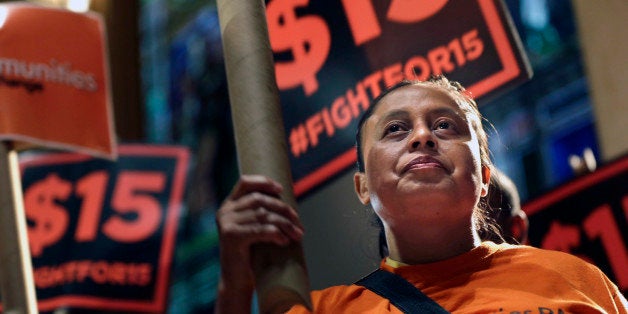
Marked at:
<point>54,81</point>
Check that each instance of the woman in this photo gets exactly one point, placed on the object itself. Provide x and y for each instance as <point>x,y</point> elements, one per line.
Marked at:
<point>424,167</point>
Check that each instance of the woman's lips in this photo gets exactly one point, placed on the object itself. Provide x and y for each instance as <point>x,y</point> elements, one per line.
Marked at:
<point>422,162</point>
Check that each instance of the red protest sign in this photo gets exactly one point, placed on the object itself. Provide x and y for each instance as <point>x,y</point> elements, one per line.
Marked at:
<point>333,57</point>
<point>102,233</point>
<point>54,81</point>
<point>587,217</point>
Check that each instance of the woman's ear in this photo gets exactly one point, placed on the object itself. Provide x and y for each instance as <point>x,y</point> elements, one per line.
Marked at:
<point>486,179</point>
<point>359,181</point>
<point>519,227</point>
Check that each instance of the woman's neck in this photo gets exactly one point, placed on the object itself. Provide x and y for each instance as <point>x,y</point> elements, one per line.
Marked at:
<point>426,244</point>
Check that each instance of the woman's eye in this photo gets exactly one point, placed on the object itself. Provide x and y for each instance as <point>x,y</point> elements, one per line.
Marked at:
<point>446,126</point>
<point>394,128</point>
<point>443,125</point>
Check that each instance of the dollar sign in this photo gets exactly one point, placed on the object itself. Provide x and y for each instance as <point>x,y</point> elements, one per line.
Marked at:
<point>49,220</point>
<point>306,37</point>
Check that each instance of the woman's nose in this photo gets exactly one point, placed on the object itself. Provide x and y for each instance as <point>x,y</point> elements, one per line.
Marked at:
<point>422,137</point>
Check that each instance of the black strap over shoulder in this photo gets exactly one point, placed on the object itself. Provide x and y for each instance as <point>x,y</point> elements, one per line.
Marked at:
<point>400,292</point>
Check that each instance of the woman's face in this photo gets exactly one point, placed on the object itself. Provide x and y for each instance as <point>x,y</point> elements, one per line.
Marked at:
<point>421,157</point>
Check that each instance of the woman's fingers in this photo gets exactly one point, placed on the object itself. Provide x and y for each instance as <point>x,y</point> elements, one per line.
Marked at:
<point>255,183</point>
<point>269,204</point>
<point>254,213</point>
<point>290,229</point>
<point>261,216</point>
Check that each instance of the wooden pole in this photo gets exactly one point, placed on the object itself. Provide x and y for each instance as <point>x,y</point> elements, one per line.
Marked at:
<point>281,276</point>
<point>17,287</point>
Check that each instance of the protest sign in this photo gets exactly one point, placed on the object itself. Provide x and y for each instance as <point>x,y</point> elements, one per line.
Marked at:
<point>102,233</point>
<point>54,80</point>
<point>54,92</point>
<point>587,217</point>
<point>333,57</point>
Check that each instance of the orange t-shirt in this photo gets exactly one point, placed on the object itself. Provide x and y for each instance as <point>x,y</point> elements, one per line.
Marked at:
<point>490,279</point>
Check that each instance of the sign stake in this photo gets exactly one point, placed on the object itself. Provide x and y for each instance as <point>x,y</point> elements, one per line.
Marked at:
<point>280,273</point>
<point>16,271</point>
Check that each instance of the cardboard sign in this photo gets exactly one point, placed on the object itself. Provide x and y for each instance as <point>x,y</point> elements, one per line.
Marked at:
<point>333,57</point>
<point>54,81</point>
<point>102,233</point>
<point>587,217</point>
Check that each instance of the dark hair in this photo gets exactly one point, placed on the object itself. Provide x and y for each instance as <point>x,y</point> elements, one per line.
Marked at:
<point>466,102</point>
<point>502,203</point>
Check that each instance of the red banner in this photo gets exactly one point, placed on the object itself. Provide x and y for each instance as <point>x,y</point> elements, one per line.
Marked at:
<point>54,81</point>
<point>102,233</point>
<point>333,57</point>
<point>587,217</point>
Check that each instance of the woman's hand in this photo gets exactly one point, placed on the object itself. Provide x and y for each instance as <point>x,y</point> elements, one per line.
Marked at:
<point>252,213</point>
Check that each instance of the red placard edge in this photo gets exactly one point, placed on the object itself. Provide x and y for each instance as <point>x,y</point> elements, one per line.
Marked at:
<point>576,186</point>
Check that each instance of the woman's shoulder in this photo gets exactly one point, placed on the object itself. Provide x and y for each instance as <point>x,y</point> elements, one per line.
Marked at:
<point>560,269</point>
<point>549,260</point>
<point>526,251</point>
<point>340,292</point>
<point>327,297</point>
